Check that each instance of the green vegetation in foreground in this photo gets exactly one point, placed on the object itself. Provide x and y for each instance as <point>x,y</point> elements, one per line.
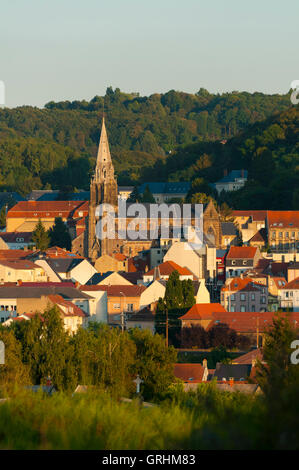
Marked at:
<point>201,419</point>
<point>206,419</point>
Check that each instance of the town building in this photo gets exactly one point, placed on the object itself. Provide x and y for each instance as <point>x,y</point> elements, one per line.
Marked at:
<point>241,258</point>
<point>244,295</point>
<point>231,181</point>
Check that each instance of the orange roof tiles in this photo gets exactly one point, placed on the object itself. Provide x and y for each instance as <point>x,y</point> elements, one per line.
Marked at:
<point>189,372</point>
<point>292,285</point>
<point>43,209</point>
<point>19,264</point>
<point>168,267</point>
<point>239,252</point>
<point>14,254</point>
<point>283,219</point>
<point>202,311</point>
<point>238,283</point>
<point>247,322</point>
<point>255,215</point>
<point>249,357</point>
<point>72,310</point>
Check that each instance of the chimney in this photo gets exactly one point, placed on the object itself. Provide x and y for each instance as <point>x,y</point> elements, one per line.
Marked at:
<point>19,282</point>
<point>225,172</point>
<point>205,363</point>
<point>242,173</point>
<point>231,381</point>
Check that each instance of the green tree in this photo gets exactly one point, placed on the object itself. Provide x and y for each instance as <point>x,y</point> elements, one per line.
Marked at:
<point>154,362</point>
<point>147,195</point>
<point>59,234</point>
<point>13,372</point>
<point>40,236</point>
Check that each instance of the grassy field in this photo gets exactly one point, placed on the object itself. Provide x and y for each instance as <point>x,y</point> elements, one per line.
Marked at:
<point>204,420</point>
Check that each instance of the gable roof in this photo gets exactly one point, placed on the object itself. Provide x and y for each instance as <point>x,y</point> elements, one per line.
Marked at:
<point>168,267</point>
<point>292,285</point>
<point>240,252</point>
<point>233,176</point>
<point>237,371</point>
<point>260,236</point>
<point>245,284</point>
<point>202,311</point>
<point>180,187</point>
<point>283,219</point>
<point>189,372</point>
<point>117,290</point>
<point>249,357</point>
<point>256,216</point>
<point>43,209</point>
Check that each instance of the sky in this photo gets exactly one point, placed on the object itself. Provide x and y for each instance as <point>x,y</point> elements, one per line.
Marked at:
<point>74,49</point>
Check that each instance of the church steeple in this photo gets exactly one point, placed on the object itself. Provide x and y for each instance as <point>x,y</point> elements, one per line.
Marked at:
<point>103,189</point>
<point>104,167</point>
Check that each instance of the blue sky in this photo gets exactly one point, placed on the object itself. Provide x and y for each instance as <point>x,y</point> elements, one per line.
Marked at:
<point>71,49</point>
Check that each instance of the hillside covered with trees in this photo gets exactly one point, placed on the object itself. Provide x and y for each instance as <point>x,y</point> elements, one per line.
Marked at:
<point>42,148</point>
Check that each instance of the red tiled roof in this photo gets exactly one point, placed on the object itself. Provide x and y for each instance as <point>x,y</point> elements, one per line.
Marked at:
<point>260,236</point>
<point>117,290</point>
<point>19,264</point>
<point>255,215</point>
<point>168,267</point>
<point>202,311</point>
<point>292,285</point>
<point>247,322</point>
<point>239,252</point>
<point>189,372</point>
<point>237,283</point>
<point>15,254</point>
<point>43,209</point>
<point>283,219</point>
<point>249,357</point>
<point>72,309</point>
<point>119,256</point>
<point>57,252</point>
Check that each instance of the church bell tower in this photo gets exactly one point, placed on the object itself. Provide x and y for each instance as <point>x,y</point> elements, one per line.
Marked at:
<point>103,189</point>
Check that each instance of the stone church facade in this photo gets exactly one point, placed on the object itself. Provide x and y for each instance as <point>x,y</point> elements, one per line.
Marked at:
<point>104,189</point>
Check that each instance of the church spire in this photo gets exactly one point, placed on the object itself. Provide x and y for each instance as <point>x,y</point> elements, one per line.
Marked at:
<point>104,166</point>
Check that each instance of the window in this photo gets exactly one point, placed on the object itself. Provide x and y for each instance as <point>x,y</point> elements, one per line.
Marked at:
<point>252,296</point>
<point>263,299</point>
<point>130,307</point>
<point>253,308</point>
<point>244,261</point>
<point>233,297</point>
<point>116,305</point>
<point>243,308</point>
<point>242,297</point>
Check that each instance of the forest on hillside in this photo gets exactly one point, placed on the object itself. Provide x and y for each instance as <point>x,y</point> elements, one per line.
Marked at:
<point>171,136</point>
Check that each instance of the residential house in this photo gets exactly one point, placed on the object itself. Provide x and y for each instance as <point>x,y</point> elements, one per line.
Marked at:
<point>165,192</point>
<point>164,270</point>
<point>21,270</point>
<point>24,216</point>
<point>17,240</point>
<point>77,269</point>
<point>191,374</point>
<point>244,295</point>
<point>113,262</point>
<point>229,234</point>
<point>200,261</point>
<point>144,319</point>
<point>121,300</point>
<point>283,230</point>
<point>200,314</point>
<point>109,278</point>
<point>98,309</point>
<point>289,295</point>
<point>231,181</point>
<point>241,258</point>
<point>249,222</point>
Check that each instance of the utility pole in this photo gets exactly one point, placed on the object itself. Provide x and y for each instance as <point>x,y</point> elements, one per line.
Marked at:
<point>166,327</point>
